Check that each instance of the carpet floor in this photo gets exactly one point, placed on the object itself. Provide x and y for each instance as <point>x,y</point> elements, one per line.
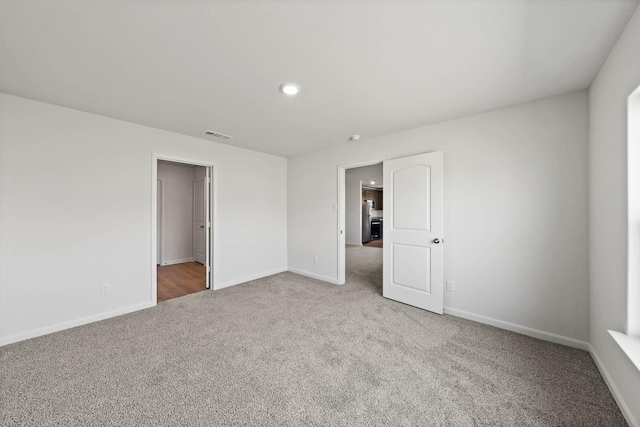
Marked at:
<point>289,350</point>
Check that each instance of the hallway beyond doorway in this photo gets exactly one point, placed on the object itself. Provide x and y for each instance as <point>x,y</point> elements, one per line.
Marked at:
<point>182,279</point>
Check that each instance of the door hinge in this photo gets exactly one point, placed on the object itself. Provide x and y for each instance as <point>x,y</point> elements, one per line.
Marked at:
<point>208,269</point>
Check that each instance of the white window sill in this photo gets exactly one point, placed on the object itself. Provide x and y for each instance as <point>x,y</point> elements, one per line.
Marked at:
<point>629,345</point>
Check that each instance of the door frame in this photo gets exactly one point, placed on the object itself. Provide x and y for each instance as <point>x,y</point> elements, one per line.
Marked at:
<point>205,185</point>
<point>212,249</point>
<point>160,218</point>
<point>342,257</point>
<point>359,216</point>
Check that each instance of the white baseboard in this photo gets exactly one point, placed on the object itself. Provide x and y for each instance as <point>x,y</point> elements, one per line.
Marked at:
<point>535,333</point>
<point>353,244</point>
<point>248,278</point>
<point>314,276</point>
<point>624,408</point>
<point>73,323</point>
<point>177,261</point>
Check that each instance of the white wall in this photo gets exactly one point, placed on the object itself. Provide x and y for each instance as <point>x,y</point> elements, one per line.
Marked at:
<point>76,212</point>
<point>619,76</point>
<point>515,211</point>
<point>353,199</point>
<point>177,219</point>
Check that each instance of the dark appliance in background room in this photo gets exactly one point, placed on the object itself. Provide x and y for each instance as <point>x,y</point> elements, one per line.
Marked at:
<point>366,221</point>
<point>376,228</point>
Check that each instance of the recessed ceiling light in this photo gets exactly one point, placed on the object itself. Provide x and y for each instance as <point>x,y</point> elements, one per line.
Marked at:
<point>354,137</point>
<point>373,182</point>
<point>289,88</point>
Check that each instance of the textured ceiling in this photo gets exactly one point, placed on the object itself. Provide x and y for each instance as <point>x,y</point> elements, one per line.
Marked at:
<point>365,67</point>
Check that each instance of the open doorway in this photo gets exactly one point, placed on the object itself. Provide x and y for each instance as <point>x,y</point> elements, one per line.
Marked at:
<point>183,232</point>
<point>372,195</point>
<point>363,222</point>
<point>363,202</point>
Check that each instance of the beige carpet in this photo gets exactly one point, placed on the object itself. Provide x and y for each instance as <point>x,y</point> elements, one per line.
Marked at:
<point>288,350</point>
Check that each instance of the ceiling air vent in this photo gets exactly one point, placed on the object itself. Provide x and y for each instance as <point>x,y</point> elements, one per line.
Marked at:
<point>216,134</point>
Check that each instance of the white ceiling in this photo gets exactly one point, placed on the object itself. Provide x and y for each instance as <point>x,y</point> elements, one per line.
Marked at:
<point>366,174</point>
<point>365,67</point>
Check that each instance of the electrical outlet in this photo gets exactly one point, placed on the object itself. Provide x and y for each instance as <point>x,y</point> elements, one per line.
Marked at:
<point>105,288</point>
<point>316,259</point>
<point>450,286</point>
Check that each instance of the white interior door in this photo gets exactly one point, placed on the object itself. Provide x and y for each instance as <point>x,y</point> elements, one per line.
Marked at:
<point>413,231</point>
<point>199,222</point>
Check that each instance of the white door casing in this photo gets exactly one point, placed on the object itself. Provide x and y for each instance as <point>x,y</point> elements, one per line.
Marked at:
<point>199,222</point>
<point>210,214</point>
<point>159,193</point>
<point>413,266</point>
<point>207,218</point>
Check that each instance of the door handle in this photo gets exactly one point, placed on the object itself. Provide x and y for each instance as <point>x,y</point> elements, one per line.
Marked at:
<point>436,241</point>
<point>202,226</point>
